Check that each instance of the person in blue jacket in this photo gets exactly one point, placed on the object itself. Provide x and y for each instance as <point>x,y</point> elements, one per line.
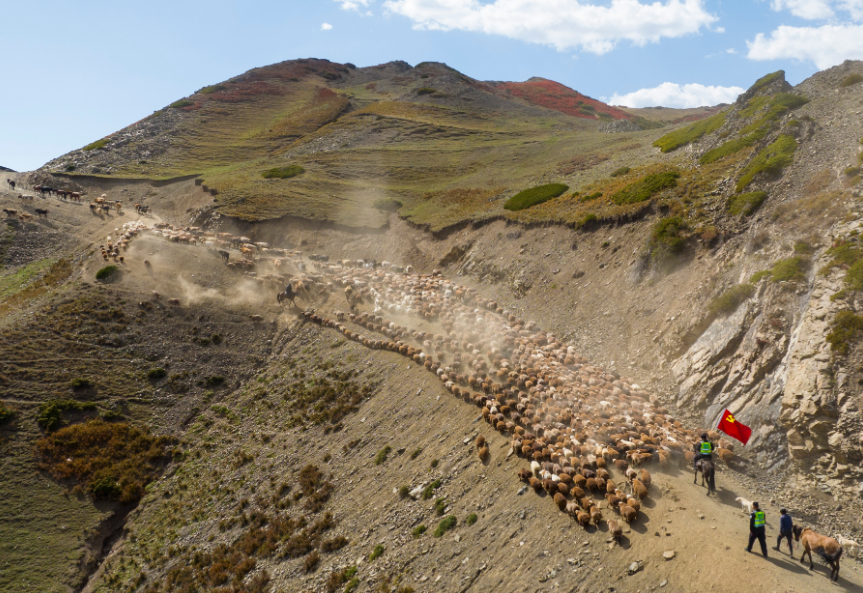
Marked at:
<point>786,526</point>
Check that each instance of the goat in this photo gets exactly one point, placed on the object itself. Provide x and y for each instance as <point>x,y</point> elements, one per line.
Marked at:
<point>745,504</point>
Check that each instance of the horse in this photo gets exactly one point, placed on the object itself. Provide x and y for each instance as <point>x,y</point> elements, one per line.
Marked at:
<point>11,183</point>
<point>287,295</point>
<point>826,547</point>
<point>225,255</point>
<point>708,470</point>
<point>42,212</point>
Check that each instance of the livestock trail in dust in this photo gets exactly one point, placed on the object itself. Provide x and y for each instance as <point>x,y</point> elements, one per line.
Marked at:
<point>569,417</point>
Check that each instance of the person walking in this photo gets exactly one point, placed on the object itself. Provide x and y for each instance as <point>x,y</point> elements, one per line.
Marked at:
<point>786,527</point>
<point>756,529</point>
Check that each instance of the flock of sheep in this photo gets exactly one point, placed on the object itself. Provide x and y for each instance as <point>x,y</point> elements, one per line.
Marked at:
<point>575,422</point>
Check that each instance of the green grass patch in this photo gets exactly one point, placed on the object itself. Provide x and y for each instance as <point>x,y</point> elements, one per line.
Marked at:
<point>683,136</point>
<point>50,414</point>
<point>851,171</point>
<point>444,526</point>
<point>728,301</point>
<point>620,171</point>
<point>81,383</point>
<point>591,197</point>
<point>283,172</point>
<point>746,204</point>
<point>381,457</point>
<point>181,103</point>
<point>376,553</point>
<point>771,160</point>
<point>854,276</point>
<point>646,188</point>
<point>440,506</point>
<point>730,147</point>
<point>97,145</point>
<point>213,88</point>
<point>352,584</point>
<point>416,453</point>
<point>845,331</point>
<point>426,91</point>
<point>418,531</point>
<point>851,80</point>
<point>156,373</point>
<point>106,272</point>
<point>758,276</point>
<point>388,205</point>
<point>792,269</point>
<point>803,248</point>
<point>6,414</point>
<point>471,519</point>
<point>428,491</point>
<point>535,195</point>
<point>766,80</point>
<point>667,238</point>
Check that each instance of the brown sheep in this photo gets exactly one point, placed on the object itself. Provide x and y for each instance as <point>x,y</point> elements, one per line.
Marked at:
<point>524,474</point>
<point>613,500</point>
<point>615,530</point>
<point>560,501</point>
<point>610,487</point>
<point>595,516</point>
<point>536,484</point>
<point>725,455</point>
<point>633,503</point>
<point>480,442</point>
<point>627,512</point>
<point>639,489</point>
<point>483,454</point>
<point>563,488</point>
<point>577,493</point>
<point>644,476</point>
<point>579,480</point>
<point>621,464</point>
<point>583,518</point>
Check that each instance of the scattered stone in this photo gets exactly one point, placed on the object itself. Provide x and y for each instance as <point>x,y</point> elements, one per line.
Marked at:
<point>668,555</point>
<point>663,583</point>
<point>634,567</point>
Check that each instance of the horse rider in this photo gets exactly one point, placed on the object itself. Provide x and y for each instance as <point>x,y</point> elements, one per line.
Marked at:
<point>756,529</point>
<point>704,449</point>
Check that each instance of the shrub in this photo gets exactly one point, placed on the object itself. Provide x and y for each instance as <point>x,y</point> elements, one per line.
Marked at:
<point>181,103</point>
<point>428,491</point>
<point>376,553</point>
<point>591,197</point>
<point>852,171</point>
<point>757,276</point>
<point>667,237</point>
<point>416,453</point>
<point>283,172</point>
<point>803,248</point>
<point>434,463</point>
<point>587,219</point>
<point>845,330</point>
<point>854,276</point>
<point>108,460</point>
<point>771,160</point>
<point>81,383</point>
<point>97,145</point>
<point>728,301</point>
<point>213,88</point>
<point>156,373</point>
<point>683,136</point>
<point>733,146</point>
<point>382,455</point>
<point>311,561</point>
<point>426,91</point>
<point>789,270</point>
<point>336,543</point>
<point>440,506</point>
<point>645,188</point>
<point>214,381</point>
<point>388,204</point>
<point>418,531</point>
<point>471,519</point>
<point>352,584</point>
<point>850,80</point>
<point>6,414</point>
<point>70,168</point>
<point>106,272</point>
<point>620,171</point>
<point>50,413</point>
<point>404,491</point>
<point>444,526</point>
<point>535,195</point>
<point>746,204</point>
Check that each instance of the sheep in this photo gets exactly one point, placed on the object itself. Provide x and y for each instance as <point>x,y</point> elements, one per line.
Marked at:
<point>560,501</point>
<point>615,530</point>
<point>524,474</point>
<point>156,295</point>
<point>483,454</point>
<point>627,512</point>
<point>583,518</point>
<point>595,516</point>
<point>173,301</point>
<point>644,476</point>
<point>639,489</point>
<point>480,442</point>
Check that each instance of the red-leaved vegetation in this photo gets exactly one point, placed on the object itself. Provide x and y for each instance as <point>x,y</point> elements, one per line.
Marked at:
<point>553,95</point>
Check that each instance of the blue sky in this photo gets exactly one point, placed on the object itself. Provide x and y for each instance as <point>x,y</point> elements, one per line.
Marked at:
<point>75,72</point>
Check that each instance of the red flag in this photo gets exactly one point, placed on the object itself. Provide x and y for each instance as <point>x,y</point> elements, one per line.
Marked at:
<point>734,428</point>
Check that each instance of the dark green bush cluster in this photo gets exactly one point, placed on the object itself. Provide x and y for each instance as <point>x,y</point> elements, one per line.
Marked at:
<point>667,239</point>
<point>81,383</point>
<point>771,160</point>
<point>381,457</point>
<point>646,187</point>
<point>181,103</point>
<point>283,172</point>
<point>426,91</point>
<point>213,88</point>
<point>376,553</point>
<point>445,525</point>
<point>428,491</point>
<point>106,272</point>
<point>684,136</point>
<point>156,373</point>
<point>789,270</point>
<point>851,80</point>
<point>620,171</point>
<point>471,519</point>
<point>846,330</point>
<point>746,204</point>
<point>535,195</point>
<point>339,578</point>
<point>50,415</point>
<point>728,301</point>
<point>6,414</point>
<point>440,506</point>
<point>591,197</point>
<point>418,531</point>
<point>324,402</point>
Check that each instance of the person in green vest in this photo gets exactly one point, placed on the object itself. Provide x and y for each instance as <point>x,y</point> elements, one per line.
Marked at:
<point>757,522</point>
<point>704,449</point>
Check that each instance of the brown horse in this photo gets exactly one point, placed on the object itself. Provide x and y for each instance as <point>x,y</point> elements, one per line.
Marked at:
<point>826,547</point>
<point>708,471</point>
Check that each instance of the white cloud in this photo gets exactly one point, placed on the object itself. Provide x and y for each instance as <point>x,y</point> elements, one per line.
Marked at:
<point>326,27</point>
<point>670,94</point>
<point>354,4</point>
<point>719,30</point>
<point>825,46</point>
<point>805,9</point>
<point>564,24</point>
<point>731,50</point>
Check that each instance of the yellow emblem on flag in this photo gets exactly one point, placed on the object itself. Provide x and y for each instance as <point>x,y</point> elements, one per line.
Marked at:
<point>730,418</point>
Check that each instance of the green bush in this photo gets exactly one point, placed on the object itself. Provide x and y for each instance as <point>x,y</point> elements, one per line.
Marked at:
<point>591,197</point>
<point>852,171</point>
<point>214,381</point>
<point>789,270</point>
<point>667,238</point>
<point>156,373</point>
<point>426,91</point>
<point>683,136</point>
<point>388,204</point>
<point>845,330</point>
<point>444,526</point>
<point>283,172</point>
<point>106,272</point>
<point>418,531</point>
<point>645,188</point>
<point>404,491</point>
<point>81,383</point>
<point>854,276</point>
<point>850,80</point>
<point>97,145</point>
<point>50,413</point>
<point>428,491</point>
<point>746,204</point>
<point>6,414</point>
<point>471,519</point>
<point>765,80</point>
<point>213,88</point>
<point>535,195</point>
<point>757,276</point>
<point>70,168</point>
<point>434,463</point>
<point>440,506</point>
<point>587,219</point>
<point>382,455</point>
<point>771,160</point>
<point>352,584</point>
<point>181,103</point>
<point>376,553</point>
<point>803,248</point>
<point>416,453</point>
<point>728,301</point>
<point>731,147</point>
<point>620,171</point>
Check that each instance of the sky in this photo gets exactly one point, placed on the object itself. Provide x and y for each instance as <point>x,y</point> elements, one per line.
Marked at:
<point>73,73</point>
